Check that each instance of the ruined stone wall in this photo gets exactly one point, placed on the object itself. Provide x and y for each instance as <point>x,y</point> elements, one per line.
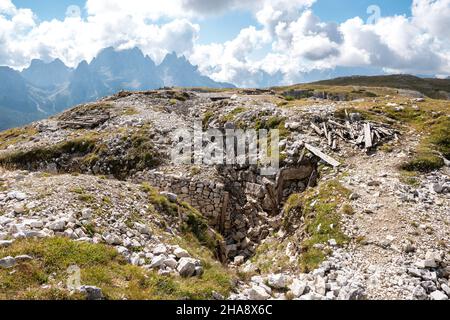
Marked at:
<point>245,208</point>
<point>208,197</point>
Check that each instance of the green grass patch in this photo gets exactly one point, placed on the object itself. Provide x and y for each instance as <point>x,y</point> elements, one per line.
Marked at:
<point>309,219</point>
<point>140,154</point>
<point>32,158</point>
<point>130,112</point>
<point>83,195</point>
<point>272,123</point>
<point>207,118</point>
<point>230,116</point>
<point>433,88</point>
<point>321,210</point>
<point>100,266</point>
<point>16,135</point>
<point>432,120</point>
<point>348,209</point>
<point>160,202</point>
<point>435,145</point>
<point>410,178</point>
<point>197,225</point>
<point>193,222</point>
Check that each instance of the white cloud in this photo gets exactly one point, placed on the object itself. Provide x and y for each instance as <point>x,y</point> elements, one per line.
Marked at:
<point>6,7</point>
<point>137,8</point>
<point>433,16</point>
<point>74,39</point>
<point>289,39</point>
<point>302,43</point>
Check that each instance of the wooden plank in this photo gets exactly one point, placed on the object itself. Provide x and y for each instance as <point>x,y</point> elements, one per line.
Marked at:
<point>302,155</point>
<point>340,133</point>
<point>337,124</point>
<point>322,155</point>
<point>316,129</point>
<point>385,131</point>
<point>377,134</point>
<point>325,131</point>
<point>360,139</point>
<point>367,136</point>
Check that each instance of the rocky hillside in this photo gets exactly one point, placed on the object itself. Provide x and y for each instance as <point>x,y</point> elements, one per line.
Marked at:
<point>357,210</point>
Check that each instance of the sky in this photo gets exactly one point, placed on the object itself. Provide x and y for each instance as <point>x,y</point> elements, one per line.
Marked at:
<point>245,42</point>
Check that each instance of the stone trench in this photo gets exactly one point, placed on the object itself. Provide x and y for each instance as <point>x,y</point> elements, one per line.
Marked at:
<point>243,206</point>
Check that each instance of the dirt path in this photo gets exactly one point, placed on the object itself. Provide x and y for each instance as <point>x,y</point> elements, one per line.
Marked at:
<point>395,224</point>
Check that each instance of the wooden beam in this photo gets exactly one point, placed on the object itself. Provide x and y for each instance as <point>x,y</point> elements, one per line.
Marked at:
<point>367,136</point>
<point>322,155</point>
<point>316,129</point>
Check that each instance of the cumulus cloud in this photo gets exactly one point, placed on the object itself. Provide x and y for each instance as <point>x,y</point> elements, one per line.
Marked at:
<point>433,16</point>
<point>298,43</point>
<point>288,40</point>
<point>75,39</point>
<point>13,23</point>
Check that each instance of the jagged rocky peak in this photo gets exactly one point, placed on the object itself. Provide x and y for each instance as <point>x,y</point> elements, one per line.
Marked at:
<point>119,59</point>
<point>126,69</point>
<point>47,74</point>
<point>177,71</point>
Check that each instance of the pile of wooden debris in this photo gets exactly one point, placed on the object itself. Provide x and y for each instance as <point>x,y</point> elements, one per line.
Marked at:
<point>354,130</point>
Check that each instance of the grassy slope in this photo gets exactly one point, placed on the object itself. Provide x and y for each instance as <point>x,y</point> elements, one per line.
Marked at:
<point>318,212</point>
<point>45,276</point>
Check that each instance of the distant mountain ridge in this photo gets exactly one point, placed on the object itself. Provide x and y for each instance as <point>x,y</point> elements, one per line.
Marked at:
<point>44,89</point>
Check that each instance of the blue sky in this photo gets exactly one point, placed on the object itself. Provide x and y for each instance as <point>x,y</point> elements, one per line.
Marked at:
<point>339,11</point>
<point>245,42</point>
<point>48,9</point>
<point>213,30</point>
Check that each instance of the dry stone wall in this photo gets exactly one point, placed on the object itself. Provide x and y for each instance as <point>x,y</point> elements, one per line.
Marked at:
<point>208,197</point>
<point>244,207</point>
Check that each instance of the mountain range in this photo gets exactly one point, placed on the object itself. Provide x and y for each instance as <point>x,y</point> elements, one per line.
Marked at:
<point>44,89</point>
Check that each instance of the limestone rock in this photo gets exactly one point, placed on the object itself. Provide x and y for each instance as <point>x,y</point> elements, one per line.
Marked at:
<point>257,293</point>
<point>58,225</point>
<point>297,288</point>
<point>158,261</point>
<point>5,243</point>
<point>172,197</point>
<point>181,253</point>
<point>438,295</point>
<point>7,262</point>
<point>278,281</point>
<point>186,267</point>
<point>171,262</point>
